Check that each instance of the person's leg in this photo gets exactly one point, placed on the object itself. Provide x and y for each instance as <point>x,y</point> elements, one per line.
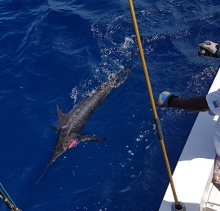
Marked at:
<point>216,173</point>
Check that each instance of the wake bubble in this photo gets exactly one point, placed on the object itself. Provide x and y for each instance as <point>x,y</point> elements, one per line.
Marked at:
<point>115,54</point>
<point>115,45</point>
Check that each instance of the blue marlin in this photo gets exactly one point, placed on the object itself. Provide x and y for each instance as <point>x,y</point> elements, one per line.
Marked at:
<point>72,123</point>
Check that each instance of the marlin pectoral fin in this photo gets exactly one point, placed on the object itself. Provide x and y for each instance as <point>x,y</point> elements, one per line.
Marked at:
<point>96,139</point>
<point>89,138</point>
<point>55,127</point>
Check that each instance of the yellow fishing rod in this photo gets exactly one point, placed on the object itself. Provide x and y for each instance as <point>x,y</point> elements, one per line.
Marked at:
<point>178,205</point>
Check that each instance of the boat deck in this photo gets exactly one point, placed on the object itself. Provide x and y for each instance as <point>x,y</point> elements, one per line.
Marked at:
<point>213,200</point>
<point>193,173</point>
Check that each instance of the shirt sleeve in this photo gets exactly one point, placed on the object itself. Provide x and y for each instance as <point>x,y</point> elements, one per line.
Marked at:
<point>213,100</point>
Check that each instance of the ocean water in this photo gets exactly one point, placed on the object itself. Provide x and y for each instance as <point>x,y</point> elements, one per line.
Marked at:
<point>54,53</point>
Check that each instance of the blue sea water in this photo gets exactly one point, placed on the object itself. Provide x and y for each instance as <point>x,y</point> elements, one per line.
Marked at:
<point>55,52</point>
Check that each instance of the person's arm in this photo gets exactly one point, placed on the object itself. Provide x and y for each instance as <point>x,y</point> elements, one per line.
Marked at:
<point>197,103</point>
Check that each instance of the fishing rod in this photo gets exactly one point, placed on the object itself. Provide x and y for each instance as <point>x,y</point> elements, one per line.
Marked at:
<point>178,205</point>
<point>10,204</point>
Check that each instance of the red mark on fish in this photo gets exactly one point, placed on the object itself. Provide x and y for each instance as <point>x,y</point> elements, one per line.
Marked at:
<point>72,143</point>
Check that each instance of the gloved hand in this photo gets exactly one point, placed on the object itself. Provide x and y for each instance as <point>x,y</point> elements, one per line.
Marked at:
<point>209,48</point>
<point>164,99</point>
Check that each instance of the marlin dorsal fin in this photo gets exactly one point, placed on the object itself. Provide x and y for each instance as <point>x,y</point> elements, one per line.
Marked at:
<point>62,117</point>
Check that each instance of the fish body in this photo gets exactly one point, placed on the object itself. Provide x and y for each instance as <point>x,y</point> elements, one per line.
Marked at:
<point>72,123</point>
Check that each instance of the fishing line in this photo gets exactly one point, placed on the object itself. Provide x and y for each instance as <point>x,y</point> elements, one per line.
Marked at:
<point>197,40</point>
<point>118,113</point>
<point>203,27</point>
<point>42,18</point>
